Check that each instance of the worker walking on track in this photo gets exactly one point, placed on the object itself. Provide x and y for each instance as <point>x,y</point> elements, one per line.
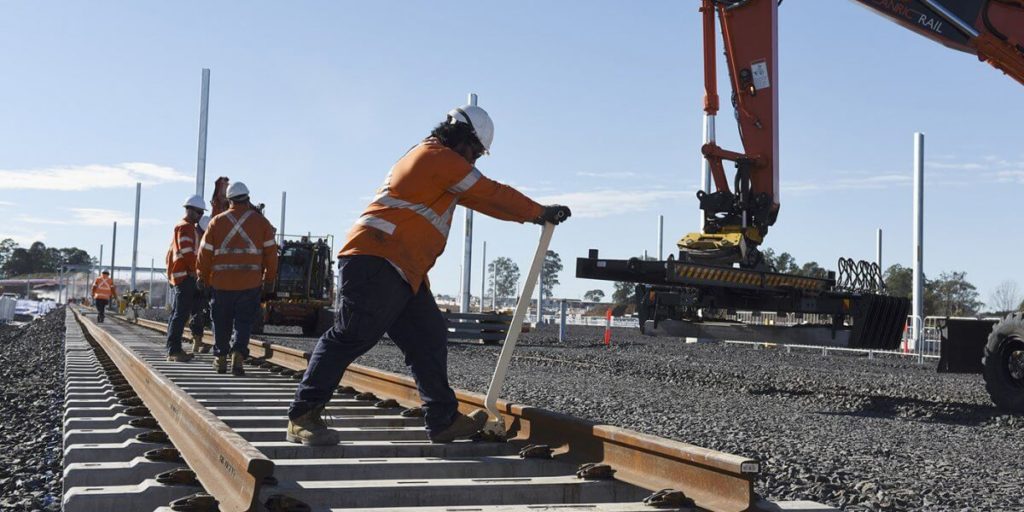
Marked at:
<point>383,274</point>
<point>200,302</point>
<point>238,261</point>
<point>182,274</point>
<point>103,290</point>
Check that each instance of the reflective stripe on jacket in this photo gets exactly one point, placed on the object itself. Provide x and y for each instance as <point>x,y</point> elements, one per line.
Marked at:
<point>408,221</point>
<point>238,251</point>
<point>181,256</point>
<point>103,288</point>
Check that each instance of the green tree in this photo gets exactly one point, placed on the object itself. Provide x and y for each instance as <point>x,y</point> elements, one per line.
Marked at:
<point>594,296</point>
<point>7,247</point>
<point>625,292</point>
<point>504,274</point>
<point>812,269</point>
<point>953,295</point>
<point>552,266</point>
<point>899,281</point>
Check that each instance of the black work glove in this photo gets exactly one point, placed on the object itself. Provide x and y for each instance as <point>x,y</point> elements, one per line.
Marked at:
<point>554,214</point>
<point>200,287</point>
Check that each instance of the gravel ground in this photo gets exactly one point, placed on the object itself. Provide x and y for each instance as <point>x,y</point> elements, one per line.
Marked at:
<point>882,434</point>
<point>31,407</point>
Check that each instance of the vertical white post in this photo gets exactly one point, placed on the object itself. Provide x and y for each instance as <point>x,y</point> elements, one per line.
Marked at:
<point>284,205</point>
<point>705,165</point>
<point>467,247</point>
<point>540,289</point>
<point>135,238</point>
<point>878,250</point>
<point>661,237</point>
<point>561,320</point>
<point>918,281</point>
<point>101,257</point>
<point>483,276</point>
<point>204,106</point>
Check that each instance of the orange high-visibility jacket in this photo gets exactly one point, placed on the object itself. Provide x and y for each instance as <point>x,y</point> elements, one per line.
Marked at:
<point>181,256</point>
<point>238,251</point>
<point>103,288</point>
<point>408,221</point>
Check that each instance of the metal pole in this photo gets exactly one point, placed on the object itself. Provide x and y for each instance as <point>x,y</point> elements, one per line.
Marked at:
<point>483,276</point>
<point>101,251</point>
<point>918,280</point>
<point>561,320</point>
<point>204,106</point>
<point>113,251</point>
<point>705,173</point>
<point>661,237</point>
<point>284,205</point>
<point>135,239</point>
<point>467,247</point>
<point>878,250</point>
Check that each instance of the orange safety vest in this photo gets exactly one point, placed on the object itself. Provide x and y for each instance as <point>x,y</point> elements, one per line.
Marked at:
<point>408,221</point>
<point>181,256</point>
<point>238,251</point>
<point>103,288</point>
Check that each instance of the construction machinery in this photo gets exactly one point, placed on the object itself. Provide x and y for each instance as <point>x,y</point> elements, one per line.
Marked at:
<point>721,267</point>
<point>303,293</point>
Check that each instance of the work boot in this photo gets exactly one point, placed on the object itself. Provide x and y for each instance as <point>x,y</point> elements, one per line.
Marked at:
<point>463,426</point>
<point>311,429</point>
<point>220,363</point>
<point>179,357</point>
<point>197,345</point>
<point>237,364</point>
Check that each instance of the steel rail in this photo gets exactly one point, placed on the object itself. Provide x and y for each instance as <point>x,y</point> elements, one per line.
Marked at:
<point>715,480</point>
<point>229,467</point>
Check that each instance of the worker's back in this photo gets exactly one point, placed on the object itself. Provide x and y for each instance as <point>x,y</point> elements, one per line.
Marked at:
<point>238,250</point>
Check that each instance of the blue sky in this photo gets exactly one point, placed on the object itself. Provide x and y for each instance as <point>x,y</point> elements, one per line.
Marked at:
<point>597,104</point>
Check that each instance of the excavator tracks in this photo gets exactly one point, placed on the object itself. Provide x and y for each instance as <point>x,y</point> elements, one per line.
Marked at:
<point>145,434</point>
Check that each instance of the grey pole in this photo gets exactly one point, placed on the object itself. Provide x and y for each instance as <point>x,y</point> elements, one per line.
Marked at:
<point>135,239</point>
<point>467,246</point>
<point>204,106</point>
<point>113,251</point>
<point>284,205</point>
<point>705,173</point>
<point>661,237</point>
<point>540,290</point>
<point>918,280</point>
<point>101,251</point>
<point>483,276</point>
<point>878,250</point>
<point>561,321</point>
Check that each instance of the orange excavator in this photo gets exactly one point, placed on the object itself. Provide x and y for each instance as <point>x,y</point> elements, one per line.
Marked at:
<point>721,268</point>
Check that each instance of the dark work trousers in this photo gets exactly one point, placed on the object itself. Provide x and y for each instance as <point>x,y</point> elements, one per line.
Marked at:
<point>182,296</point>
<point>374,299</point>
<point>101,309</point>
<point>233,312</point>
<point>200,313</point>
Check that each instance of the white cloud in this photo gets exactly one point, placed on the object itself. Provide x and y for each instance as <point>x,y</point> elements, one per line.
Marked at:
<point>605,203</point>
<point>88,177</point>
<point>607,175</point>
<point>859,183</point>
<point>86,217</point>
<point>5,204</point>
<point>24,238</point>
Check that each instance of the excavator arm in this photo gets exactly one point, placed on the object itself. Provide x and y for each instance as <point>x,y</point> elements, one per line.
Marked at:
<point>737,218</point>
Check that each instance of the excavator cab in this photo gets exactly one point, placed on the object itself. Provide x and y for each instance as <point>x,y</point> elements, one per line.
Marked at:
<point>304,291</point>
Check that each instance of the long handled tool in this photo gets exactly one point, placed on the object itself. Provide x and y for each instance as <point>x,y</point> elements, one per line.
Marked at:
<point>495,426</point>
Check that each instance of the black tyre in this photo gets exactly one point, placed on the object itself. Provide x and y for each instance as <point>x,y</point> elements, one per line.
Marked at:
<point>1004,364</point>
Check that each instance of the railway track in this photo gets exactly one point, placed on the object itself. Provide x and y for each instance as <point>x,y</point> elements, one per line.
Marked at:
<point>145,434</point>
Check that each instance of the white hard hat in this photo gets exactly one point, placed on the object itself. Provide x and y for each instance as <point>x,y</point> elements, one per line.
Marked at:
<point>477,119</point>
<point>237,189</point>
<point>204,222</point>
<point>196,202</point>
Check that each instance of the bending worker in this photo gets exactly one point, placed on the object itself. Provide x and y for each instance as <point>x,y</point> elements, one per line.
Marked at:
<point>102,290</point>
<point>238,260</point>
<point>181,272</point>
<point>383,273</point>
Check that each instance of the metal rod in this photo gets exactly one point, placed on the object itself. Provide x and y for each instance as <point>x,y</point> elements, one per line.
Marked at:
<point>467,247</point>
<point>284,205</point>
<point>135,238</point>
<point>705,173</point>
<point>540,288</point>
<point>878,250</point>
<point>204,108</point>
<point>661,237</point>
<point>561,320</point>
<point>948,15</point>
<point>918,246</point>
<point>483,276</point>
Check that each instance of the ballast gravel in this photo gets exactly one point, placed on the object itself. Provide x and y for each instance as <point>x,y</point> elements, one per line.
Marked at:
<point>855,433</point>
<point>31,408</point>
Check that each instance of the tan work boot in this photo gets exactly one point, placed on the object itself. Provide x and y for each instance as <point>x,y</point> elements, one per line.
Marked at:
<point>237,364</point>
<point>179,357</point>
<point>463,426</point>
<point>220,363</point>
<point>197,345</point>
<point>311,429</point>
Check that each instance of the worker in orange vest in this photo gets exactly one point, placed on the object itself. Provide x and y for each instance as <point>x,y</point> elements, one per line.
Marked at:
<point>182,274</point>
<point>383,273</point>
<point>201,302</point>
<point>102,290</point>
<point>238,261</point>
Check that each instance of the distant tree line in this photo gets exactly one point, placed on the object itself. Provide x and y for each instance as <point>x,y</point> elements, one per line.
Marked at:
<point>37,258</point>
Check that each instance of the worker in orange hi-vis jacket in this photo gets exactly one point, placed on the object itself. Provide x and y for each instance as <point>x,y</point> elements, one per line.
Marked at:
<point>383,274</point>
<point>238,261</point>
<point>103,290</point>
<point>182,274</point>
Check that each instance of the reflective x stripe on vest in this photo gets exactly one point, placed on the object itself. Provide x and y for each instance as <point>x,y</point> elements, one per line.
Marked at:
<point>442,223</point>
<point>236,229</point>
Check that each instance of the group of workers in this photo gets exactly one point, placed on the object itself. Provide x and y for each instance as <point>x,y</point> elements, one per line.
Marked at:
<point>383,285</point>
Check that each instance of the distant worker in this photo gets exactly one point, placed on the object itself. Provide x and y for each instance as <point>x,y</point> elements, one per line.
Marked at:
<point>182,274</point>
<point>238,261</point>
<point>383,274</point>
<point>103,290</point>
<point>201,303</point>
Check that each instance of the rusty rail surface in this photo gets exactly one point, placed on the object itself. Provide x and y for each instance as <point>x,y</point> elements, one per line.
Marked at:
<point>715,480</point>
<point>230,468</point>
